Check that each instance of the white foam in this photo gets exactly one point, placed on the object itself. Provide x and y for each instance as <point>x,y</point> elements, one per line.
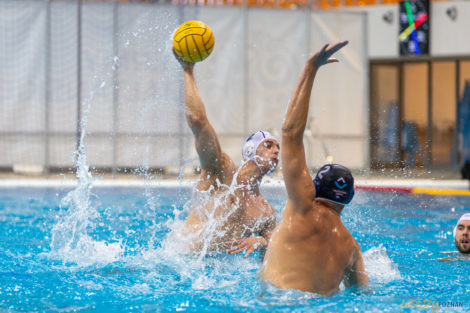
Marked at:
<point>379,266</point>
<point>87,252</point>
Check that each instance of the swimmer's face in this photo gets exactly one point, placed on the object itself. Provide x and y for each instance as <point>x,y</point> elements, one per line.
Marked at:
<point>462,236</point>
<point>268,155</point>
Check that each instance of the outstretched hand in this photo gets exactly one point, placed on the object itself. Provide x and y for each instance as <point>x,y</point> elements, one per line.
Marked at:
<point>249,245</point>
<point>185,65</point>
<point>323,56</point>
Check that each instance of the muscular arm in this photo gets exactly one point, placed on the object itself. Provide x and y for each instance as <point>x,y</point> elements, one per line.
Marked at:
<point>207,143</point>
<point>356,274</point>
<point>299,185</point>
<point>298,182</point>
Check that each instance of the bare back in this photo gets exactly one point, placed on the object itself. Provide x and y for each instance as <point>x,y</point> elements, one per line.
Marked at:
<point>320,251</point>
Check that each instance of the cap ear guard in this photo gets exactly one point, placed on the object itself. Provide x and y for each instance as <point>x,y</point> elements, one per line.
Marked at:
<point>248,151</point>
<point>351,196</point>
<point>316,182</point>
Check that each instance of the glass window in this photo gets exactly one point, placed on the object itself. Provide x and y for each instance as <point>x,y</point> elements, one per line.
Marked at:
<point>414,113</point>
<point>443,112</point>
<point>384,114</point>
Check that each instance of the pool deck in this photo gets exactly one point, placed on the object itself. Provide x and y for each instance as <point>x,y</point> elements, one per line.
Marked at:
<point>438,181</point>
<point>361,183</point>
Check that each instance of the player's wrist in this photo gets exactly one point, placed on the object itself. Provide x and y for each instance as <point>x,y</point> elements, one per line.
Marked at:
<point>263,242</point>
<point>312,66</point>
<point>188,69</point>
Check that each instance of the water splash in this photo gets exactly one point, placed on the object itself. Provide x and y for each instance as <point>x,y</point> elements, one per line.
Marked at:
<point>379,266</point>
<point>151,199</point>
<point>202,268</point>
<point>71,241</point>
<point>211,209</point>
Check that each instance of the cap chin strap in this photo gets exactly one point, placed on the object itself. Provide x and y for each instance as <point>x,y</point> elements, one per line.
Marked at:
<point>271,170</point>
<point>255,159</point>
<point>256,162</point>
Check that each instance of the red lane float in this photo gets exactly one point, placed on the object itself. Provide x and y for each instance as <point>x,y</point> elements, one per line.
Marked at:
<point>430,191</point>
<point>385,188</point>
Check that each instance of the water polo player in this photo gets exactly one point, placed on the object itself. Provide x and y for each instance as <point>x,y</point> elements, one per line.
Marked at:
<point>228,212</point>
<point>310,249</point>
<point>462,234</point>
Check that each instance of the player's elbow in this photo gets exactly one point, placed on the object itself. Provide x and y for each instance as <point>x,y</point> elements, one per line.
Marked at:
<point>361,280</point>
<point>287,129</point>
<point>291,131</point>
<point>196,121</point>
<point>287,126</point>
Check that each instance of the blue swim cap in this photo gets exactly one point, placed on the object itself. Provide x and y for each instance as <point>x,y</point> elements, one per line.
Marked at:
<point>335,183</point>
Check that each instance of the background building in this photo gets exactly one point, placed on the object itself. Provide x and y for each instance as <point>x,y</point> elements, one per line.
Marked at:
<point>109,66</point>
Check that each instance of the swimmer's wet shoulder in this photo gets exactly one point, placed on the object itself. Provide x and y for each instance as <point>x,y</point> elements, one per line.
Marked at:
<point>312,251</point>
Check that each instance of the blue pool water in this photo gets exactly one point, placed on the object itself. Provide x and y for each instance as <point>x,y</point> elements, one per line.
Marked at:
<point>117,259</point>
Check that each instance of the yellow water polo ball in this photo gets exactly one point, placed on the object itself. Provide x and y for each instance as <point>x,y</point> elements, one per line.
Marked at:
<point>193,41</point>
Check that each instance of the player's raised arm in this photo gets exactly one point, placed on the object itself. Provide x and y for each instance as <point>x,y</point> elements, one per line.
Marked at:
<point>207,143</point>
<point>193,41</point>
<point>299,184</point>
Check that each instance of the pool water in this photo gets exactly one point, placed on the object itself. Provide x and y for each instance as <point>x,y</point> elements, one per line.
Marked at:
<point>116,257</point>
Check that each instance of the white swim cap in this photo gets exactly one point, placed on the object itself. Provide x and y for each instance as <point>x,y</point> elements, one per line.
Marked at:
<point>465,217</point>
<point>252,143</point>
